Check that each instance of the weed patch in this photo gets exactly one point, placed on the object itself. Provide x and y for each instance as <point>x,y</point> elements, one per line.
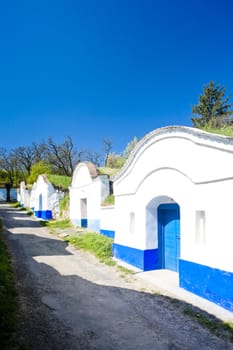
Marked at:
<point>216,326</point>
<point>59,181</point>
<point>64,204</point>
<point>225,130</point>
<point>110,200</point>
<point>15,205</point>
<point>125,270</point>
<point>8,297</point>
<point>99,245</point>
<point>60,224</point>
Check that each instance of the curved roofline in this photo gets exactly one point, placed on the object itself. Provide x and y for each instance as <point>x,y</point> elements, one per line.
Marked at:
<point>172,130</point>
<point>91,168</point>
<point>45,178</point>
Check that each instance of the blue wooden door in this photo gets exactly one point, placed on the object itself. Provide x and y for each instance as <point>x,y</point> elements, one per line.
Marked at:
<point>169,236</point>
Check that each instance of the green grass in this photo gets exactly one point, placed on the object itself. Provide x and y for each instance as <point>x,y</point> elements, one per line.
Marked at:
<point>125,270</point>
<point>64,204</point>
<point>8,297</point>
<point>226,131</point>
<point>96,244</point>
<point>15,205</point>
<point>62,182</point>
<point>216,326</point>
<point>108,171</point>
<point>110,200</point>
<point>60,224</point>
<point>28,210</point>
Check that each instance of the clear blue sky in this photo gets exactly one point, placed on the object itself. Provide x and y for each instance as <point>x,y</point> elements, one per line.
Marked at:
<point>107,68</point>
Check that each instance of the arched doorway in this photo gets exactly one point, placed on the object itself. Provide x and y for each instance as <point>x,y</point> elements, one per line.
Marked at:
<point>168,236</point>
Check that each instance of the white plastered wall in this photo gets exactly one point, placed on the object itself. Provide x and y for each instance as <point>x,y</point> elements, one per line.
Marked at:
<point>192,168</point>
<point>85,187</point>
<point>43,190</point>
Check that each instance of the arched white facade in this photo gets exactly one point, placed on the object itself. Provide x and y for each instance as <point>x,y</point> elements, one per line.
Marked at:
<point>87,192</point>
<point>193,170</point>
<point>44,198</point>
<point>23,195</point>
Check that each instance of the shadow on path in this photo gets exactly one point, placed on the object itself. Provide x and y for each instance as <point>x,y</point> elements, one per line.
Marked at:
<point>63,310</point>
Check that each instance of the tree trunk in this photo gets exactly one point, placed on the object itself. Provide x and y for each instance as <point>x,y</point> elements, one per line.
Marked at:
<point>8,191</point>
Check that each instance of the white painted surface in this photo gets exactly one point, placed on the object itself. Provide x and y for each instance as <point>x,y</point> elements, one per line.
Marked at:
<point>89,186</point>
<point>107,218</point>
<point>43,191</point>
<point>192,168</point>
<point>23,195</point>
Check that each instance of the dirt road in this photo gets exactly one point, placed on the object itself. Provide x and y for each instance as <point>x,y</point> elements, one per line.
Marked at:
<point>71,301</point>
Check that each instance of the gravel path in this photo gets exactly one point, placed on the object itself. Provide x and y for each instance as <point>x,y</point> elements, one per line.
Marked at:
<point>68,300</point>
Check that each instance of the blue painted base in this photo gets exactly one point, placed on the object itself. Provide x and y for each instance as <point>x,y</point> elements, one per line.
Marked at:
<point>91,224</point>
<point>38,213</point>
<point>108,233</point>
<point>84,223</point>
<point>145,260</point>
<point>212,284</point>
<point>44,214</point>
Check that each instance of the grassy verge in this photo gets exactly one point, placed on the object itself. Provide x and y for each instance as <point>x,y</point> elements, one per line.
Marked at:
<point>216,326</point>
<point>28,210</point>
<point>97,244</point>
<point>225,130</point>
<point>110,200</point>
<point>64,204</point>
<point>15,205</point>
<point>59,224</point>
<point>62,182</point>
<point>8,298</point>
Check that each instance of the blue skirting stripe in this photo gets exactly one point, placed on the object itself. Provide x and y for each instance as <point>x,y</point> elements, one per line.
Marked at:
<point>44,214</point>
<point>210,283</point>
<point>108,233</point>
<point>90,224</point>
<point>84,223</point>
<point>145,260</point>
<point>38,213</point>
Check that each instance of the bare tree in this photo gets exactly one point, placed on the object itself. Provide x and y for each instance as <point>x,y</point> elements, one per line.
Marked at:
<point>40,151</point>
<point>25,157</point>
<point>10,170</point>
<point>63,156</point>
<point>107,148</point>
<point>94,157</point>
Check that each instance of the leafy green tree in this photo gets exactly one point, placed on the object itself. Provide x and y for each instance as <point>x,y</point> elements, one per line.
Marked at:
<point>213,109</point>
<point>115,161</point>
<point>39,168</point>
